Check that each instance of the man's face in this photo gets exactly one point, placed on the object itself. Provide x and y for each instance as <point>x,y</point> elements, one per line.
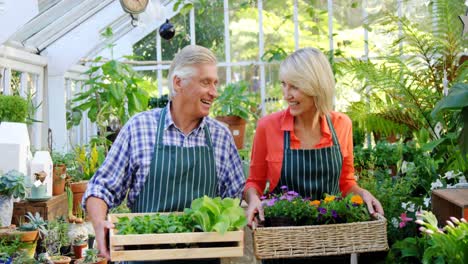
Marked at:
<point>197,93</point>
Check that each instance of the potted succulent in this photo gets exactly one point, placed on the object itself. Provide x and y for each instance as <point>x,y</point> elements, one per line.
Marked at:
<point>91,258</point>
<point>233,107</point>
<point>11,186</point>
<point>55,239</point>
<point>31,231</point>
<point>80,245</point>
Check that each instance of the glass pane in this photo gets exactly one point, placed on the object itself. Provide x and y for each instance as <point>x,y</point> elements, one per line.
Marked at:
<point>313,24</point>
<point>209,26</point>
<point>243,27</point>
<point>381,37</point>
<point>221,76</point>
<point>278,26</point>
<point>273,94</point>
<point>348,30</point>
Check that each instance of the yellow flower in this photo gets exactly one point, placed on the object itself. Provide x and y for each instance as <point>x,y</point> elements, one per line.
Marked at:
<point>315,203</point>
<point>356,199</point>
<point>329,198</point>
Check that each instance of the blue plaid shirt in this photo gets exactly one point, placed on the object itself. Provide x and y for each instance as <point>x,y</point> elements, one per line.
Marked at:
<point>128,162</point>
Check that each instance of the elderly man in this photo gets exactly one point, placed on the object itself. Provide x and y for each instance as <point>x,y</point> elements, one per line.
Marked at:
<point>167,157</point>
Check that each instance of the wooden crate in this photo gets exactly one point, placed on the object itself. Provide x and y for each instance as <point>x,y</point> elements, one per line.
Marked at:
<point>450,202</point>
<point>118,252</point>
<point>49,210</point>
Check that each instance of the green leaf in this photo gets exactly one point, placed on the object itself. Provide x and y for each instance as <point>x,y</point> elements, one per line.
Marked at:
<point>455,100</point>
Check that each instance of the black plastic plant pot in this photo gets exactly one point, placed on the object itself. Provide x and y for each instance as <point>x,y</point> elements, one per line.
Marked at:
<point>278,221</point>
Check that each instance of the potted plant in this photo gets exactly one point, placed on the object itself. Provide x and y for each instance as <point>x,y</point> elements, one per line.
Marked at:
<point>11,186</point>
<point>116,92</point>
<point>88,163</point>
<point>233,107</point>
<point>60,259</point>
<point>59,173</point>
<point>31,231</point>
<point>91,258</point>
<point>8,248</point>
<point>80,244</point>
<point>55,239</point>
<point>13,108</point>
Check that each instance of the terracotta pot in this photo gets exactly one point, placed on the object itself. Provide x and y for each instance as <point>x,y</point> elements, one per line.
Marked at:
<point>100,261</point>
<point>58,186</point>
<point>78,189</point>
<point>29,238</point>
<point>237,127</point>
<point>60,259</point>
<point>79,250</point>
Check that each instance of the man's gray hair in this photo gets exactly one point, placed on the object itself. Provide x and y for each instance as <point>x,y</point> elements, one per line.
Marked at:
<point>183,64</point>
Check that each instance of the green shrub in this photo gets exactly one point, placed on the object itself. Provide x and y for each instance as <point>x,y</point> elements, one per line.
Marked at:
<point>13,108</point>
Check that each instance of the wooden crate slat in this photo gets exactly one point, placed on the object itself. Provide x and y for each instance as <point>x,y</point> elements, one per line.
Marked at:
<point>196,237</point>
<point>179,253</point>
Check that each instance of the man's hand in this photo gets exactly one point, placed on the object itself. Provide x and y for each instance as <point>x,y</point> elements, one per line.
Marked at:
<point>97,211</point>
<point>102,229</point>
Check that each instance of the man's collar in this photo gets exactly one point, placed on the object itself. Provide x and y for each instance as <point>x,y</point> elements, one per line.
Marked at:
<point>168,121</point>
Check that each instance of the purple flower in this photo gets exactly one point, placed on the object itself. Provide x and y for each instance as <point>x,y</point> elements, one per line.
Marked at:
<point>322,210</point>
<point>292,193</point>
<point>263,197</point>
<point>283,197</point>
<point>334,214</point>
<point>271,202</point>
<point>284,188</point>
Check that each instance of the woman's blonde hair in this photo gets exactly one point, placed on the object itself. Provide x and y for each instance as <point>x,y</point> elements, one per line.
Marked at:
<point>183,64</point>
<point>309,70</point>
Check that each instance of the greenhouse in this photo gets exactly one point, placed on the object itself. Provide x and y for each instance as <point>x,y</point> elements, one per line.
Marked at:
<point>234,131</point>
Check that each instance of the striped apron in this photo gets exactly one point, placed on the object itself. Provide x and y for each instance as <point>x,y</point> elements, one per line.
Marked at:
<point>311,173</point>
<point>177,176</point>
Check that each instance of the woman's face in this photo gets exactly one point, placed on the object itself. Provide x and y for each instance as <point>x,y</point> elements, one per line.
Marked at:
<point>299,103</point>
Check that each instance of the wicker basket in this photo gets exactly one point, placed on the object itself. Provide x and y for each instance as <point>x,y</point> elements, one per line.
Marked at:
<point>320,240</point>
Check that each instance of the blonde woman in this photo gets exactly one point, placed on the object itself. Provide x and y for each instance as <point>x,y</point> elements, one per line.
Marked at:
<point>307,147</point>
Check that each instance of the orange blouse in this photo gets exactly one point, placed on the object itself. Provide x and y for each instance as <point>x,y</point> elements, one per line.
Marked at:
<point>268,148</point>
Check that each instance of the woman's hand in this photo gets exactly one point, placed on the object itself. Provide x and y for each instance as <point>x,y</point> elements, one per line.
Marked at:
<point>373,205</point>
<point>255,206</point>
